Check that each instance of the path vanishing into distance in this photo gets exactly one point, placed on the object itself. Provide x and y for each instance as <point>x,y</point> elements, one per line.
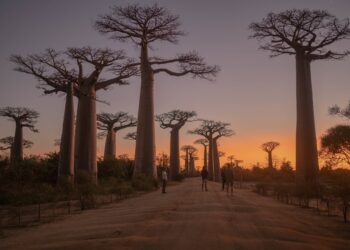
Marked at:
<point>187,218</point>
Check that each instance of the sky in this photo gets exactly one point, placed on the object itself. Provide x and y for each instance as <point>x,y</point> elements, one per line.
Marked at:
<point>253,92</point>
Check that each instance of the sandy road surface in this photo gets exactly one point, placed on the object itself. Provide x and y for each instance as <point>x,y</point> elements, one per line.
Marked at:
<point>187,218</point>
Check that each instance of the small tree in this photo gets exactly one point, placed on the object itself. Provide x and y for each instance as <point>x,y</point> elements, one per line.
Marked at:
<point>175,120</point>
<point>23,118</point>
<point>268,147</point>
<point>187,149</point>
<point>110,124</point>
<point>7,143</point>
<point>306,35</point>
<point>130,136</point>
<point>335,145</point>
<point>143,26</point>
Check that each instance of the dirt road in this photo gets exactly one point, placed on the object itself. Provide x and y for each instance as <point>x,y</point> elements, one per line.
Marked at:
<point>187,218</point>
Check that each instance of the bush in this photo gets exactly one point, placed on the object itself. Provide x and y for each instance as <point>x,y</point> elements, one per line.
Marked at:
<point>144,183</point>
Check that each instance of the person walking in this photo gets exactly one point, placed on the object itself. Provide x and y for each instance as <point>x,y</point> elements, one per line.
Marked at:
<point>164,180</point>
<point>223,178</point>
<point>204,174</point>
<point>229,179</point>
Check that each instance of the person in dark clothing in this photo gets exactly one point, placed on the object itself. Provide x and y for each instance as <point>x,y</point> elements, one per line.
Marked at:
<point>204,174</point>
<point>229,179</point>
<point>164,180</point>
<point>223,178</point>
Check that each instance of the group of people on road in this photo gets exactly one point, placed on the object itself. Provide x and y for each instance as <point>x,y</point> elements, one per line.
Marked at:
<point>226,178</point>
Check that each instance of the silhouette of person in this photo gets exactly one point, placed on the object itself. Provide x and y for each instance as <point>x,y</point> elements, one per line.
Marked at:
<point>164,180</point>
<point>204,174</point>
<point>229,179</point>
<point>223,178</point>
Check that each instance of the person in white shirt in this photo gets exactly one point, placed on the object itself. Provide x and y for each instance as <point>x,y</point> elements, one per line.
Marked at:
<point>164,179</point>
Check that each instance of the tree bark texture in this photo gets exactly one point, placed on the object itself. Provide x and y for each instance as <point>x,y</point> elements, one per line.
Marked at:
<point>145,160</point>
<point>66,157</point>
<point>306,144</point>
<point>174,153</point>
<point>85,148</point>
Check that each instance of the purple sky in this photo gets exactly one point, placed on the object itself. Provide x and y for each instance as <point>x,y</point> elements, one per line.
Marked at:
<point>254,93</point>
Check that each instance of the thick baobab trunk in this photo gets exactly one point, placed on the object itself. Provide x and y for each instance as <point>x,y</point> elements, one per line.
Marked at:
<point>210,159</point>
<point>145,161</point>
<point>85,147</point>
<point>205,165</point>
<point>186,163</point>
<point>191,166</point>
<point>216,160</point>
<point>66,160</point>
<point>17,145</point>
<point>110,145</point>
<point>306,144</point>
<point>269,155</point>
<point>174,153</point>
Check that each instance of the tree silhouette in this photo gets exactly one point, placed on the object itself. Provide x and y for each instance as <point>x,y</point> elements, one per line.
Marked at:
<point>221,131</point>
<point>306,35</point>
<point>7,143</point>
<point>174,120</point>
<point>78,72</point>
<point>188,149</point>
<point>204,143</point>
<point>144,25</point>
<point>231,158</point>
<point>111,124</point>
<point>23,118</point>
<point>268,147</point>
<point>336,110</point>
<point>335,144</point>
<point>130,136</point>
<point>210,130</point>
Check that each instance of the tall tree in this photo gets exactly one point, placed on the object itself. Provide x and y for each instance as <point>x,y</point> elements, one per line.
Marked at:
<point>23,118</point>
<point>144,25</point>
<point>204,143</point>
<point>187,149</point>
<point>110,124</point>
<point>222,131</point>
<point>174,120</point>
<point>209,129</point>
<point>305,34</point>
<point>192,157</point>
<point>268,147</point>
<point>78,72</point>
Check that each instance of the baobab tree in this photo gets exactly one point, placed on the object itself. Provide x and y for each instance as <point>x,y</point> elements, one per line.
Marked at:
<point>175,120</point>
<point>187,149</point>
<point>209,129</point>
<point>78,72</point>
<point>231,158</point>
<point>204,143</point>
<point>305,34</point>
<point>110,124</point>
<point>221,131</point>
<point>23,118</point>
<point>143,26</point>
<point>268,147</point>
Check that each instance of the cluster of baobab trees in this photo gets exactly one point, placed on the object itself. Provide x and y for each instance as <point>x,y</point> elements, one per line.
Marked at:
<point>81,72</point>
